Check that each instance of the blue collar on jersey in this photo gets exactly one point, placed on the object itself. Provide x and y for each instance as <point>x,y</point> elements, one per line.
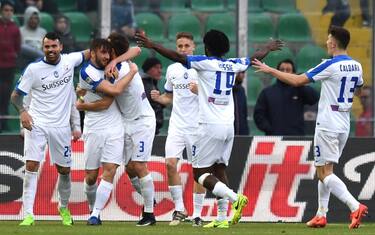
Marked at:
<point>45,61</point>
<point>95,66</point>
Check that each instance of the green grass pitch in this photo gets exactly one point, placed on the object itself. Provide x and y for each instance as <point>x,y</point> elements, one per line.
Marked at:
<point>129,228</point>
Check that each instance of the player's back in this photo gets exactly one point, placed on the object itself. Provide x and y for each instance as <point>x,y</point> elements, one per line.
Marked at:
<point>133,102</point>
<point>97,120</point>
<point>340,76</point>
<point>184,116</point>
<point>216,78</point>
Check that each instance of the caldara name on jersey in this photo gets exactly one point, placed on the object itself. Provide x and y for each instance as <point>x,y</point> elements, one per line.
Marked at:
<point>58,83</point>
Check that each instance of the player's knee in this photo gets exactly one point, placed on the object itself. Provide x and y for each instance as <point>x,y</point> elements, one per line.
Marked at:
<point>171,166</point>
<point>63,170</point>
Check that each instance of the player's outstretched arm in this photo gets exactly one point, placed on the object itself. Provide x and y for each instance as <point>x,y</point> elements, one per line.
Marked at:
<point>98,105</point>
<point>129,55</point>
<point>115,89</point>
<point>164,99</point>
<point>262,52</point>
<point>144,41</point>
<point>17,100</point>
<point>289,78</point>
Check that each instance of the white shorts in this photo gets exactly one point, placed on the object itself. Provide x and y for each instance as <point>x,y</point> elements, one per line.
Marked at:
<point>58,140</point>
<point>139,137</point>
<point>214,145</point>
<point>103,146</point>
<point>328,146</point>
<point>176,143</point>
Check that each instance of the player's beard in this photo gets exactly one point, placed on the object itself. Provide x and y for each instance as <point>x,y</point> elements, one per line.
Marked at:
<point>101,63</point>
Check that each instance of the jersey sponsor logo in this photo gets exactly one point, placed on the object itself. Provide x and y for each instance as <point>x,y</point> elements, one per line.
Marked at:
<point>57,84</point>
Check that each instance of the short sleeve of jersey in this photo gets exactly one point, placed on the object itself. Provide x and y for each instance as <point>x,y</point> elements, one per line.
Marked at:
<point>360,80</point>
<point>25,82</point>
<point>214,64</point>
<point>168,86</point>
<point>76,58</point>
<point>319,72</point>
<point>90,79</point>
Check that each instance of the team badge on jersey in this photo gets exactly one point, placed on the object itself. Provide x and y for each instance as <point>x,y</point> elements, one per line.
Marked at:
<point>186,75</point>
<point>56,74</point>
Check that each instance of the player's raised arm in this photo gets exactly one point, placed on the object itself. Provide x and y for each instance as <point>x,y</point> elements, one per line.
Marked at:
<point>291,79</point>
<point>262,52</point>
<point>144,41</point>
<point>128,55</point>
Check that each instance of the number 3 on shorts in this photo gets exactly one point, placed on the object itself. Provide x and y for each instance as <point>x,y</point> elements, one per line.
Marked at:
<point>317,151</point>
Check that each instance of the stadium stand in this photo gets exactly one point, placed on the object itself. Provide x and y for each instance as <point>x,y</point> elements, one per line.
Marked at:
<point>275,57</point>
<point>207,5</point>
<point>152,24</point>
<point>309,56</point>
<point>66,5</point>
<point>173,6</point>
<point>46,21</point>
<point>81,26</point>
<point>260,27</point>
<point>222,21</point>
<point>284,6</point>
<point>254,87</point>
<point>293,27</point>
<point>184,22</point>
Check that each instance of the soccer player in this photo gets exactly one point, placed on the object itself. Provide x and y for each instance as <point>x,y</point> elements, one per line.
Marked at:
<point>340,77</point>
<point>139,123</point>
<point>50,80</point>
<point>213,146</point>
<point>103,143</point>
<point>183,125</point>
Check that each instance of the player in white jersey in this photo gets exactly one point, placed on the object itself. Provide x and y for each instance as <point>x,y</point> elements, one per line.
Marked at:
<point>340,77</point>
<point>103,143</point>
<point>139,123</point>
<point>212,149</point>
<point>183,126</point>
<point>50,80</point>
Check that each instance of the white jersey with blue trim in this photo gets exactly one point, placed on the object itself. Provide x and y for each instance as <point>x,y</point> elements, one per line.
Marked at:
<point>184,116</point>
<point>340,76</point>
<point>52,87</point>
<point>90,78</point>
<point>216,78</point>
<point>133,102</point>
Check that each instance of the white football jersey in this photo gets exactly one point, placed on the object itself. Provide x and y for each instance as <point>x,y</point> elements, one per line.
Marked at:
<point>51,86</point>
<point>340,76</point>
<point>90,78</point>
<point>216,79</point>
<point>184,116</point>
<point>133,102</point>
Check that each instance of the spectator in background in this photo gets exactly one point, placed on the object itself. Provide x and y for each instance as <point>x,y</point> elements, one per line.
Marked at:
<point>279,108</point>
<point>340,9</point>
<point>42,5</point>
<point>10,41</point>
<point>364,126</point>
<point>151,75</point>
<point>240,106</point>
<point>31,36</point>
<point>366,19</point>
<point>62,28</point>
<point>122,17</point>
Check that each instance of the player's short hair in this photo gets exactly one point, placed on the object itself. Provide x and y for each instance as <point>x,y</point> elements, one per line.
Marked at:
<point>341,35</point>
<point>184,35</point>
<point>100,43</point>
<point>216,42</point>
<point>52,36</point>
<point>287,61</point>
<point>119,43</point>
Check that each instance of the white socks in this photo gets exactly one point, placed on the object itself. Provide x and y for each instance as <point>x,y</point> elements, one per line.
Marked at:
<point>198,199</point>
<point>29,189</point>
<point>323,199</point>
<point>222,209</point>
<point>176,192</point>
<point>221,190</point>
<point>338,188</point>
<point>136,184</point>
<point>90,191</point>
<point>102,195</point>
<point>64,187</point>
<point>148,193</point>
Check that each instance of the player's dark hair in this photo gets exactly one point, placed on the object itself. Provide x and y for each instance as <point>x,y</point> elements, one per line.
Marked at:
<point>100,43</point>
<point>341,35</point>
<point>52,36</point>
<point>184,35</point>
<point>216,42</point>
<point>287,61</point>
<point>119,43</point>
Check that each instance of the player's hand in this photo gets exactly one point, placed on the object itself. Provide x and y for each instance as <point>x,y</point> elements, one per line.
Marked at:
<point>155,94</point>
<point>111,74</point>
<point>80,105</point>
<point>80,91</point>
<point>110,67</point>
<point>142,40</point>
<point>275,45</point>
<point>260,66</point>
<point>76,134</point>
<point>133,67</point>
<point>193,87</point>
<point>26,120</point>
